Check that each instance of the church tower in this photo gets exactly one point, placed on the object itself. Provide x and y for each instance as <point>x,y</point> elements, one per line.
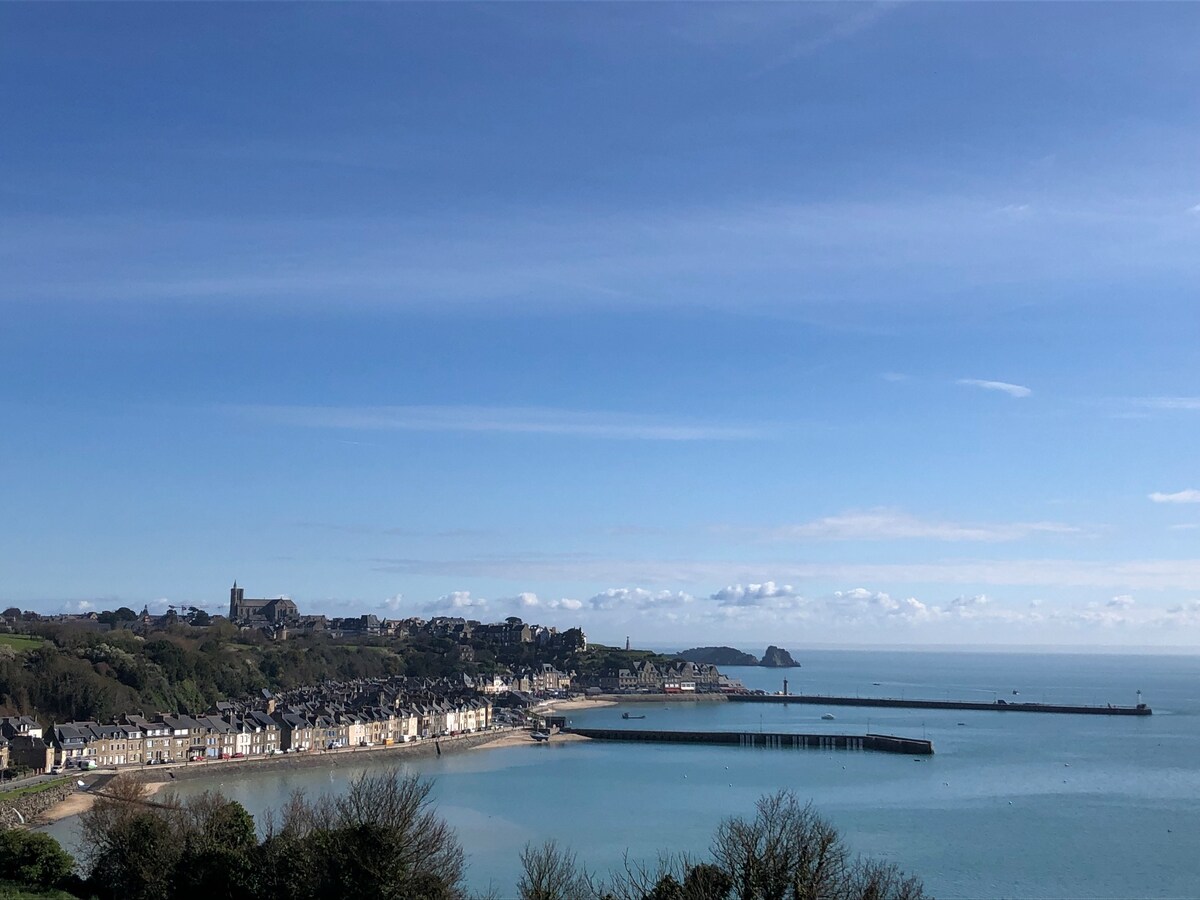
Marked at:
<point>236,595</point>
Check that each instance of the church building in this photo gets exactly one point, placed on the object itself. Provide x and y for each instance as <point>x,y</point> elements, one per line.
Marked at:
<point>278,611</point>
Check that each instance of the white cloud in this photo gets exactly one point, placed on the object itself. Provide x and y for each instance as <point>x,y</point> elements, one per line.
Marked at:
<point>1013,390</point>
<point>1121,601</point>
<point>1194,209</point>
<point>78,606</point>
<point>496,419</point>
<point>456,602</point>
<point>639,599</point>
<point>859,604</point>
<point>527,601</point>
<point>1191,495</point>
<point>978,601</point>
<point>393,604</point>
<point>1183,614</point>
<point>885,524</point>
<point>766,594</point>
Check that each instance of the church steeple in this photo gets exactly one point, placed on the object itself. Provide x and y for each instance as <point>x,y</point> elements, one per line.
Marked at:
<point>236,595</point>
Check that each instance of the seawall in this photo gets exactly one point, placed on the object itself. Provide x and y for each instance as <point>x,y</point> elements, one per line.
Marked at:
<point>347,756</point>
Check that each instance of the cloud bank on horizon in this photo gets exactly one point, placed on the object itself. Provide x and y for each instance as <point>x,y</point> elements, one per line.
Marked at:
<point>675,320</point>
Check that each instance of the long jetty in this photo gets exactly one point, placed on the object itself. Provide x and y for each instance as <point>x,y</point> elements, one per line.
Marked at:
<point>885,743</point>
<point>893,703</point>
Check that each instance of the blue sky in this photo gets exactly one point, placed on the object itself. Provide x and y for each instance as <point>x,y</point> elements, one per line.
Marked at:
<point>800,323</point>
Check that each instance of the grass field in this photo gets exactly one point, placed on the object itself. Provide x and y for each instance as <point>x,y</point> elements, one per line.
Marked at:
<point>21,641</point>
<point>10,891</point>
<point>7,796</point>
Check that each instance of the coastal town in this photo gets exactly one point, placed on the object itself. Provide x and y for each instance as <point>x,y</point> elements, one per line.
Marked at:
<point>332,715</point>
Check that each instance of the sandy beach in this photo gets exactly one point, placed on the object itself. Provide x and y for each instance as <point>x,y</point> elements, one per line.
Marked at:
<point>522,739</point>
<point>81,801</point>
<point>577,703</point>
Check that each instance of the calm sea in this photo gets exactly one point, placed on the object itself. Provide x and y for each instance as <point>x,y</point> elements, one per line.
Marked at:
<point>1011,805</point>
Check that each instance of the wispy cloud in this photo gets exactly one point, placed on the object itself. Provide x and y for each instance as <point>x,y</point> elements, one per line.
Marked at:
<point>498,420</point>
<point>1113,576</point>
<point>1004,387</point>
<point>1166,403</point>
<point>788,254</point>
<point>1191,495</point>
<point>885,524</point>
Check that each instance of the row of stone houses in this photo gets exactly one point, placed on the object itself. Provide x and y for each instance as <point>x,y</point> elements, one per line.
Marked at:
<point>22,745</point>
<point>541,679</point>
<point>647,677</point>
<point>136,740</point>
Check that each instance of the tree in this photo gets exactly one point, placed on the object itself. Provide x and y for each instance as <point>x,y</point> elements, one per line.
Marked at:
<point>33,859</point>
<point>550,872</point>
<point>12,613</point>
<point>127,845</point>
<point>381,839</point>
<point>789,852</point>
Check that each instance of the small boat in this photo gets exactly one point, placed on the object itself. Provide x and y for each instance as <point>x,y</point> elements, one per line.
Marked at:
<point>828,717</point>
<point>875,683</point>
<point>628,716</point>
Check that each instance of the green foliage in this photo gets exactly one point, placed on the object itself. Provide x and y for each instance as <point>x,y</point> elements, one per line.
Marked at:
<point>20,641</point>
<point>785,852</point>
<point>9,796</point>
<point>33,859</point>
<point>379,840</point>
<point>11,891</point>
<point>599,657</point>
<point>122,616</point>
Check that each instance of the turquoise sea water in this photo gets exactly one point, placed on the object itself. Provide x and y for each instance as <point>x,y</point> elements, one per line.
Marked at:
<point>1011,805</point>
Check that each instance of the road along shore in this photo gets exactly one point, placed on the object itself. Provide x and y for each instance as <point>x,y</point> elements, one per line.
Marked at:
<point>159,777</point>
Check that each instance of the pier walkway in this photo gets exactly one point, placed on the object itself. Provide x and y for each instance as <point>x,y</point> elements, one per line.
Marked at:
<point>892,703</point>
<point>878,742</point>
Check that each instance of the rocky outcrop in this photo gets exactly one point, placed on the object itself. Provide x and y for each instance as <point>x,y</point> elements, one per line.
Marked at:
<point>778,658</point>
<point>719,656</point>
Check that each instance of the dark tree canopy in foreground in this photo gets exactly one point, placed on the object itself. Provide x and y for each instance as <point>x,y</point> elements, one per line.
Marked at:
<point>383,839</point>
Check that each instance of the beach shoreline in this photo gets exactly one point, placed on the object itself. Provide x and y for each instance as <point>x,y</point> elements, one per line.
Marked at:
<point>158,777</point>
